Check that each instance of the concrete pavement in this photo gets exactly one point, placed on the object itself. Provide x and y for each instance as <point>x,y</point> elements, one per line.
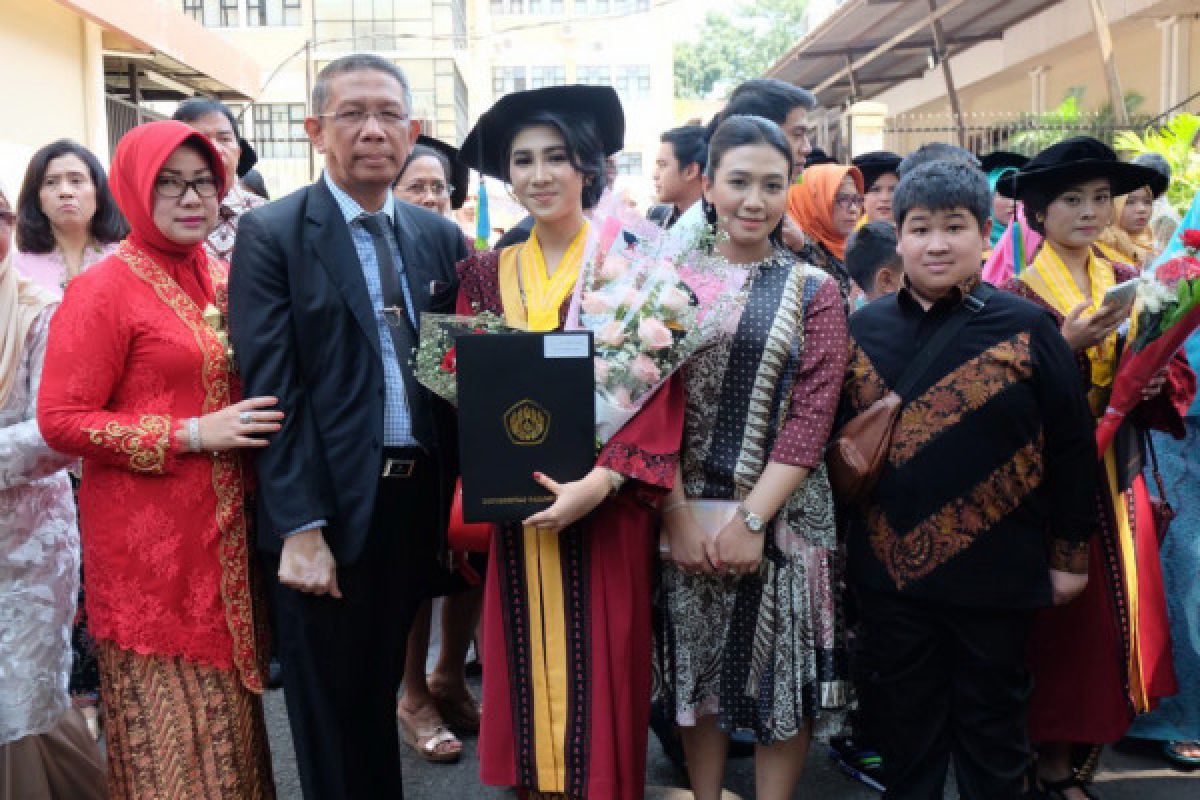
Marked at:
<point>1122,776</point>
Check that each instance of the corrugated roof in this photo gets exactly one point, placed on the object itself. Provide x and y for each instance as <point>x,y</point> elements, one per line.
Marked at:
<point>887,42</point>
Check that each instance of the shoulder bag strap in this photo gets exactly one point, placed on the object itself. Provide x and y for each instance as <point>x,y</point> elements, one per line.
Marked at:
<point>971,305</point>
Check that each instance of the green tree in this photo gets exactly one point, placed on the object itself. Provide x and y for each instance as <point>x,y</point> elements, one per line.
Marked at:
<point>1176,142</point>
<point>733,47</point>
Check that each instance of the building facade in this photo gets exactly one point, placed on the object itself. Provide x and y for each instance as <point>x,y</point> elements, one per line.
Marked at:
<point>626,44</point>
<point>291,40</point>
<point>1012,63</point>
<point>96,68</point>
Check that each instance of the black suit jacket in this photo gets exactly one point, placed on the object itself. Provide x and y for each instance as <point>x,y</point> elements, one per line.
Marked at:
<point>303,328</point>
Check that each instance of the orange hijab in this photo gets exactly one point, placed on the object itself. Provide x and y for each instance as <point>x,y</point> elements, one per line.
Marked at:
<point>810,203</point>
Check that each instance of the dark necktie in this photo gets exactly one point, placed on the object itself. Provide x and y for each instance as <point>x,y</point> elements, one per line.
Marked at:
<point>395,314</point>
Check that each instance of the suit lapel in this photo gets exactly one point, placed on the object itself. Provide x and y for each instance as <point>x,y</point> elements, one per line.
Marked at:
<point>329,237</point>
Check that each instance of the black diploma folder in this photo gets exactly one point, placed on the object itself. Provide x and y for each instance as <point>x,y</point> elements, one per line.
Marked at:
<point>525,404</point>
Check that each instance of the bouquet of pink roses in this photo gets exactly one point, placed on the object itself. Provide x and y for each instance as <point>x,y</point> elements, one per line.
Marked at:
<point>650,303</point>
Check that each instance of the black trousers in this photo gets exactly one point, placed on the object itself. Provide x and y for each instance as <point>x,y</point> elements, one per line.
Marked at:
<point>343,659</point>
<point>944,683</point>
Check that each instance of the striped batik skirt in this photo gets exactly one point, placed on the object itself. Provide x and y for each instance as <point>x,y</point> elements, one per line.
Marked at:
<point>180,731</point>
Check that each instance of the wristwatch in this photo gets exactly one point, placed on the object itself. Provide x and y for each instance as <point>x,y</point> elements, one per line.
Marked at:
<point>754,523</point>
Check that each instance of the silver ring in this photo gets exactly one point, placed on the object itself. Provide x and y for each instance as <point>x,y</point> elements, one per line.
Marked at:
<point>246,418</point>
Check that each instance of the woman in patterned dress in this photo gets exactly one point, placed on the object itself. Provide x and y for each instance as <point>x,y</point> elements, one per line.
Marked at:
<point>749,631</point>
<point>46,750</point>
<point>138,381</point>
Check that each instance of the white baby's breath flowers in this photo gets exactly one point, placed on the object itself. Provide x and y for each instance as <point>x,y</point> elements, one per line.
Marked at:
<point>1152,294</point>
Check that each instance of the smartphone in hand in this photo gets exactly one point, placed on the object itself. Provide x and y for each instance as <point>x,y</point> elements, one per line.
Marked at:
<point>1120,296</point>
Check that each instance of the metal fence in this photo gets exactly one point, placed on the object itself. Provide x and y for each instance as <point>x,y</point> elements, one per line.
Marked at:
<point>985,132</point>
<point>1025,133</point>
<point>123,116</point>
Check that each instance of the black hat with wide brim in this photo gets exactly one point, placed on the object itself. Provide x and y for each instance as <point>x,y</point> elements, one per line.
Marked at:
<point>876,163</point>
<point>999,159</point>
<point>460,173</point>
<point>486,147</point>
<point>1075,160</point>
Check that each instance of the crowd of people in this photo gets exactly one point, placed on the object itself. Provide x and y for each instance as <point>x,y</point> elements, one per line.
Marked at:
<point>219,473</point>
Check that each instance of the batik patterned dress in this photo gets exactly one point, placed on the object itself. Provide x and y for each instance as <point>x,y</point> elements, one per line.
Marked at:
<point>567,615</point>
<point>764,652</point>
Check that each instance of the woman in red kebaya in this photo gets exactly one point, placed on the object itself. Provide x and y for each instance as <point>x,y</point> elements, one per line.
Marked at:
<point>138,381</point>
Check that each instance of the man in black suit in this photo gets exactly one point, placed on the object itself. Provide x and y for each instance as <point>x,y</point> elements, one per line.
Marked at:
<point>327,285</point>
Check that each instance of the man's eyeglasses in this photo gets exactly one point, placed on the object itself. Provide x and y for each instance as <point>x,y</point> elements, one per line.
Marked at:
<point>7,218</point>
<point>168,186</point>
<point>436,188</point>
<point>848,201</point>
<point>355,118</point>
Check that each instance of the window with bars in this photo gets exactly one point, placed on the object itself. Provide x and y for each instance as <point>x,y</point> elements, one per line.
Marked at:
<point>510,6</point>
<point>596,7</point>
<point>279,130</point>
<point>210,13</point>
<point>628,163</point>
<point>632,81</point>
<point>229,13</point>
<point>270,13</point>
<point>547,76</point>
<point>549,7</point>
<point>508,79</point>
<point>593,75</point>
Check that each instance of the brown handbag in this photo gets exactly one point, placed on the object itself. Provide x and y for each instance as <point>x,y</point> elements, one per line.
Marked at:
<point>855,458</point>
<point>856,455</point>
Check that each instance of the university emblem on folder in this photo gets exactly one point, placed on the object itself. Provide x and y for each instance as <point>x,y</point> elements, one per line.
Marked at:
<point>526,423</point>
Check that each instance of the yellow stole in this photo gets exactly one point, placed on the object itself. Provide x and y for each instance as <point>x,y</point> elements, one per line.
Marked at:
<point>1049,277</point>
<point>532,300</point>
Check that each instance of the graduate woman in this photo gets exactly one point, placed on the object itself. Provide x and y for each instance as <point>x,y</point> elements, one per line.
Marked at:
<point>567,604</point>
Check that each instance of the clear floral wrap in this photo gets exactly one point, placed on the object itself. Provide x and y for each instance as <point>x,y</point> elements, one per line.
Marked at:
<point>650,299</point>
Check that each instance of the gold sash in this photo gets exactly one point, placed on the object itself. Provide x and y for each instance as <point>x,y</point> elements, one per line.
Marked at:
<point>1049,277</point>
<point>532,300</point>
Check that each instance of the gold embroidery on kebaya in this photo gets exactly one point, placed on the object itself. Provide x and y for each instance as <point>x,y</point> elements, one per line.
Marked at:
<point>146,443</point>
<point>227,477</point>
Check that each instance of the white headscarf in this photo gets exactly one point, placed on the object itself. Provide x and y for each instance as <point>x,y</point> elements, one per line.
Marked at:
<point>20,304</point>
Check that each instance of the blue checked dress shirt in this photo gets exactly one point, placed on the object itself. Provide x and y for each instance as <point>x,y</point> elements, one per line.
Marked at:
<point>397,423</point>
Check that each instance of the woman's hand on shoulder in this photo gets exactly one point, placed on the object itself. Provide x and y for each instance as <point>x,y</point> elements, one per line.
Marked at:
<point>244,424</point>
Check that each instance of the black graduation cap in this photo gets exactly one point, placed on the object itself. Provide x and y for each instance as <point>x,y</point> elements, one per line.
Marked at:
<point>998,159</point>
<point>876,163</point>
<point>460,173</point>
<point>1078,159</point>
<point>818,156</point>
<point>485,148</point>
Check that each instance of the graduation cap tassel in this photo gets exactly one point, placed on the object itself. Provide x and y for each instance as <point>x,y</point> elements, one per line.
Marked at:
<point>483,223</point>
